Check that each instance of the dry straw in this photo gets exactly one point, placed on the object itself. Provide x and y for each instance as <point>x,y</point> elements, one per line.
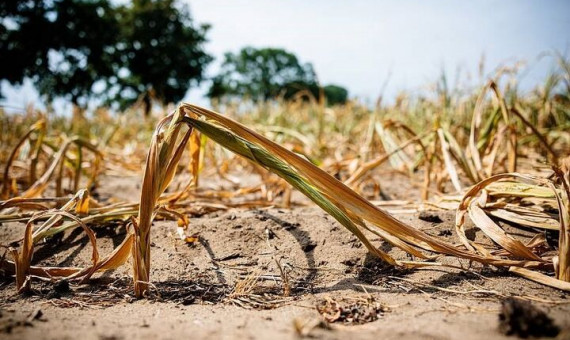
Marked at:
<point>488,198</point>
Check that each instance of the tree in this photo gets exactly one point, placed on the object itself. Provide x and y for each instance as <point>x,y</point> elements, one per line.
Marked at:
<point>61,45</point>
<point>160,53</point>
<point>82,51</point>
<point>24,38</point>
<point>85,49</point>
<point>260,74</point>
<point>268,73</point>
<point>335,94</point>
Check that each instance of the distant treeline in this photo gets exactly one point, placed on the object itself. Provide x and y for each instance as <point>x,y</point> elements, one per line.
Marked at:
<point>145,50</point>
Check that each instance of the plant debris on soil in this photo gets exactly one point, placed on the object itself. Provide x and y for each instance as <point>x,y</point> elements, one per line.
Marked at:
<point>355,312</point>
<point>193,288</point>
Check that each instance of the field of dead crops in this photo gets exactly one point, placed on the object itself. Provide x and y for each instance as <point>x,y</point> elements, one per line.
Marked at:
<point>293,218</point>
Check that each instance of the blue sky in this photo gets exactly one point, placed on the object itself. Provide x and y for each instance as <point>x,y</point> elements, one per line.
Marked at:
<point>360,43</point>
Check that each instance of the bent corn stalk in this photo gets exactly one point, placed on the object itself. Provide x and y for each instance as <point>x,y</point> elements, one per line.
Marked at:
<point>337,199</point>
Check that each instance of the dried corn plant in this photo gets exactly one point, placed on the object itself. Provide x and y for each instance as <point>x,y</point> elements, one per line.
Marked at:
<point>533,204</point>
<point>346,206</point>
<point>56,165</point>
<point>51,223</point>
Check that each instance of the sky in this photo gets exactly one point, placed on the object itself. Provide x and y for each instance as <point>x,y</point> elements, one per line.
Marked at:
<point>364,44</point>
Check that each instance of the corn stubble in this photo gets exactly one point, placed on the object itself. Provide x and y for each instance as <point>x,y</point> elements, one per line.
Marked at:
<point>479,162</point>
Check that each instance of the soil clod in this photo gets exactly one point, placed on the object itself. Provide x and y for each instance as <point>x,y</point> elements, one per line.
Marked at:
<point>430,217</point>
<point>521,318</point>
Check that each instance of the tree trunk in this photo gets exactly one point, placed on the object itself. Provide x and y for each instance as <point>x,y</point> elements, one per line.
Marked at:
<point>147,105</point>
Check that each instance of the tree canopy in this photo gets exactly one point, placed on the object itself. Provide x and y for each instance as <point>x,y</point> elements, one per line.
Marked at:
<point>269,73</point>
<point>24,38</point>
<point>60,45</point>
<point>71,48</point>
<point>335,94</point>
<point>160,52</point>
<point>260,74</point>
<point>79,56</point>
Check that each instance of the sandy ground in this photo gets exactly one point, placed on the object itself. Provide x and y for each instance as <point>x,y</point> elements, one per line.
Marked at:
<point>228,284</point>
